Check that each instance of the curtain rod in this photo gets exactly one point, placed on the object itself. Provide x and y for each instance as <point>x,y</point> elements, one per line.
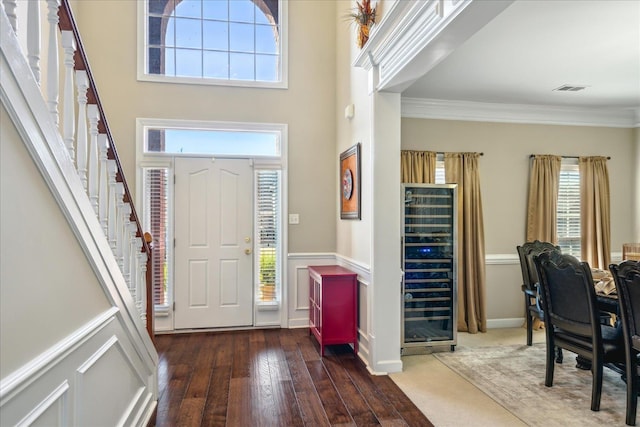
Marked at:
<point>567,157</point>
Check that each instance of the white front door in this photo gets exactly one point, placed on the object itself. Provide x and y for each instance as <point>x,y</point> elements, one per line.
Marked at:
<point>213,248</point>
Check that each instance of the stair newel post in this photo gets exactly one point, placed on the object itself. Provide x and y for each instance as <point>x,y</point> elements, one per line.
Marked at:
<point>68,110</point>
<point>10,9</point>
<point>82,83</point>
<point>53,67</point>
<point>33,37</point>
<point>119,253</point>
<point>103,186</point>
<point>93,115</point>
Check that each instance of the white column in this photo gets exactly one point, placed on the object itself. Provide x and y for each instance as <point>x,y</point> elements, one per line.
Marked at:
<point>33,38</point>
<point>53,67</point>
<point>386,271</point>
<point>103,186</point>
<point>82,84</point>
<point>93,115</point>
<point>69,46</point>
<point>10,9</point>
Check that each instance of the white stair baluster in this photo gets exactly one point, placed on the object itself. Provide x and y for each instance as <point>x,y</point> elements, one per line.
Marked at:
<point>33,38</point>
<point>135,274</point>
<point>82,83</point>
<point>133,227</point>
<point>93,115</point>
<point>125,236</point>
<point>69,46</point>
<point>103,186</point>
<point>119,224</point>
<point>10,9</point>
<point>142,284</point>
<point>53,70</point>
<point>112,221</point>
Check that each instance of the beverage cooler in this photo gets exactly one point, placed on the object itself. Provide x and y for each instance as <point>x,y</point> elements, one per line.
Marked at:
<point>429,263</point>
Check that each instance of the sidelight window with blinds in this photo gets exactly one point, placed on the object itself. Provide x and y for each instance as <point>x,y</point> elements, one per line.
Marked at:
<point>568,210</point>
<point>155,219</point>
<point>268,235</point>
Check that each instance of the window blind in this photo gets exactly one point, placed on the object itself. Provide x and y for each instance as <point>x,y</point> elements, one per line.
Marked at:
<point>268,201</point>
<point>568,210</point>
<point>156,222</point>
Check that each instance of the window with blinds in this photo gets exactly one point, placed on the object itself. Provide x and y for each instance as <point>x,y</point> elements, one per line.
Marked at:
<point>440,169</point>
<point>156,189</point>
<point>568,221</point>
<point>268,235</point>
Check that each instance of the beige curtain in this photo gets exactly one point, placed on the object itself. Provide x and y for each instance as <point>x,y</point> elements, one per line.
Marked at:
<point>542,205</point>
<point>595,221</point>
<point>462,169</point>
<point>418,167</point>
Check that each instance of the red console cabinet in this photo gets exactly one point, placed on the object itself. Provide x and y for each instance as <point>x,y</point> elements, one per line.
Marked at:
<point>333,305</point>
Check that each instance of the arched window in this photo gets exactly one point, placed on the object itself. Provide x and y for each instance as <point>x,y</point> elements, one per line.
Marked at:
<point>239,41</point>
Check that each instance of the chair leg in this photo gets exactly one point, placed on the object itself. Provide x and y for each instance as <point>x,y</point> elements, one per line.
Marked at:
<point>632,393</point>
<point>529,329</point>
<point>548,379</point>
<point>596,387</point>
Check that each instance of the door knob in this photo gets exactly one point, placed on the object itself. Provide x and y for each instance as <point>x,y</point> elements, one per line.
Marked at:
<point>247,251</point>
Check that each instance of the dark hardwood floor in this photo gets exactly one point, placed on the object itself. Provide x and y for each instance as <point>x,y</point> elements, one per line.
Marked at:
<point>272,377</point>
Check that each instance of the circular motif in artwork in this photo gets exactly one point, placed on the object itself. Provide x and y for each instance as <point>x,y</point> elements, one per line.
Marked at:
<point>347,184</point>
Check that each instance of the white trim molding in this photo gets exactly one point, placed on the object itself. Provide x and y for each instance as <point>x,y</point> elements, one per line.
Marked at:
<point>414,36</point>
<point>517,113</point>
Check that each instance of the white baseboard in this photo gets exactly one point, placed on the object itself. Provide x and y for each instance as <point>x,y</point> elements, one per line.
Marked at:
<point>505,323</point>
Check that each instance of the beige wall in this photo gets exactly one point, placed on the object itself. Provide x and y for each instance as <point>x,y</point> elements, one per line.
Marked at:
<point>109,29</point>
<point>48,287</point>
<point>353,237</point>
<point>504,168</point>
<point>504,172</point>
<point>636,167</point>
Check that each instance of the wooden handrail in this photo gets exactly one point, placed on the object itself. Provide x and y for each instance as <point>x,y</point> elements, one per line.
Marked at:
<point>67,23</point>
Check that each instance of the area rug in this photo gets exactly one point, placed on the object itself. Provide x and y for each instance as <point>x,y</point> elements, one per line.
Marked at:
<point>513,376</point>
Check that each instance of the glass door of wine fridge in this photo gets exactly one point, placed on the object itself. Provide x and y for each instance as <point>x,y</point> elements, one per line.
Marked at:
<point>429,262</point>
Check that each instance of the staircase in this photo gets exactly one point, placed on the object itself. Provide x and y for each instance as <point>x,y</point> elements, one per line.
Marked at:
<point>91,362</point>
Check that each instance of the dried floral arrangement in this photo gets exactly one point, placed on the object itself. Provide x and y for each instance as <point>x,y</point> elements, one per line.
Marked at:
<point>363,15</point>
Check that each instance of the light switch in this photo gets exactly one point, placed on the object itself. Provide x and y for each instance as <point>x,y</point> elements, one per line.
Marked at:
<point>294,219</point>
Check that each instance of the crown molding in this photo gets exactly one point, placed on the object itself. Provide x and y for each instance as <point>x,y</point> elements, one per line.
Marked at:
<point>414,36</point>
<point>518,113</point>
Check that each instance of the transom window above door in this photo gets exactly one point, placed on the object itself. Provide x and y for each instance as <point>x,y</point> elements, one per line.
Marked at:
<point>228,42</point>
<point>256,140</point>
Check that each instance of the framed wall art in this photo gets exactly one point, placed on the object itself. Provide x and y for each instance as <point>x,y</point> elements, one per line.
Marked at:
<point>350,183</point>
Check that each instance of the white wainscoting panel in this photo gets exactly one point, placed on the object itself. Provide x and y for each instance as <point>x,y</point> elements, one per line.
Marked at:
<point>298,289</point>
<point>93,377</point>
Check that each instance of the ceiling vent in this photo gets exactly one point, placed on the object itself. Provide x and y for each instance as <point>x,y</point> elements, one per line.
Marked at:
<point>570,88</point>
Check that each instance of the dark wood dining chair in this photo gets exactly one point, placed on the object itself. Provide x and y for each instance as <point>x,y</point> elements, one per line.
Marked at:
<point>532,304</point>
<point>627,278</point>
<point>572,318</point>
